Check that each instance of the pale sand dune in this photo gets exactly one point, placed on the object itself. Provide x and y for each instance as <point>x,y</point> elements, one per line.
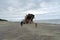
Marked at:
<point>14,31</point>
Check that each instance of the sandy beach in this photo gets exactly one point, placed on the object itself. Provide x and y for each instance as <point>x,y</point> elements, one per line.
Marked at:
<point>14,31</point>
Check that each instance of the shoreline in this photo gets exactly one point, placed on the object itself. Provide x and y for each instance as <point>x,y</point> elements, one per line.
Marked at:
<point>14,31</point>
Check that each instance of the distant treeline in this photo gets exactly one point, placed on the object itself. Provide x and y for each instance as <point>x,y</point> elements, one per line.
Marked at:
<point>3,20</point>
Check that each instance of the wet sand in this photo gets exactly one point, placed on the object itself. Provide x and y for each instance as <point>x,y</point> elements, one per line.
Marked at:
<point>14,31</point>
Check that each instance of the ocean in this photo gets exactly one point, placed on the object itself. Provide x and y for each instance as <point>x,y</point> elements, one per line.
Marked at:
<point>48,21</point>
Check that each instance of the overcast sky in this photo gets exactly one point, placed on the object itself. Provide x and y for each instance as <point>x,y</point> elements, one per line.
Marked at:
<point>17,9</point>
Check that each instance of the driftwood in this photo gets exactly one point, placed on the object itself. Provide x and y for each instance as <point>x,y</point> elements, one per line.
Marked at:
<point>28,20</point>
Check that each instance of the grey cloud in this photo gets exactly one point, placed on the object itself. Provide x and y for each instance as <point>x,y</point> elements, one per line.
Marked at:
<point>18,7</point>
